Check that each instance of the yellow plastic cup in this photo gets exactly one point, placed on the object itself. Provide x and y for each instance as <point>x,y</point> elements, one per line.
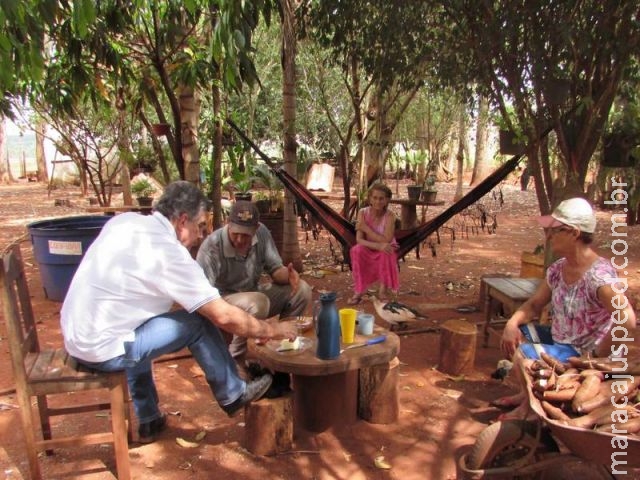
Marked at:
<point>347,324</point>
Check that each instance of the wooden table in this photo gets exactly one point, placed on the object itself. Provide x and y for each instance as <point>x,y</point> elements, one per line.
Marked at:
<point>507,292</point>
<point>326,391</point>
<point>408,212</point>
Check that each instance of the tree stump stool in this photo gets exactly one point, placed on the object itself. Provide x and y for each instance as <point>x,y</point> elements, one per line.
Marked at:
<point>378,393</point>
<point>269,425</point>
<point>457,346</point>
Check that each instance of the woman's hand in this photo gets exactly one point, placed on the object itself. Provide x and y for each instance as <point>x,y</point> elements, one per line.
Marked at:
<point>511,339</point>
<point>382,247</point>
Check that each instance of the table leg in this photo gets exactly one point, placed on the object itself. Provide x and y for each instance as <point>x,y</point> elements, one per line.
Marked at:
<point>487,315</point>
<point>321,402</point>
<point>408,216</point>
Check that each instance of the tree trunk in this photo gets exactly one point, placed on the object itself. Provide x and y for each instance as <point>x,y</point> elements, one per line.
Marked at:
<point>481,167</point>
<point>462,131</point>
<point>189,114</point>
<point>216,159</point>
<point>291,247</point>
<point>43,174</point>
<point>5,171</point>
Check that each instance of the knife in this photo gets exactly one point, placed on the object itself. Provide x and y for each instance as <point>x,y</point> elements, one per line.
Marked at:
<point>372,341</point>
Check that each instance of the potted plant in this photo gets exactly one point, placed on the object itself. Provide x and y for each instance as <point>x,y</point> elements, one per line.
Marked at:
<point>143,190</point>
<point>240,178</point>
<point>414,192</point>
<point>429,190</point>
<point>262,201</point>
<point>415,158</point>
<point>238,183</point>
<point>275,188</point>
<point>242,185</point>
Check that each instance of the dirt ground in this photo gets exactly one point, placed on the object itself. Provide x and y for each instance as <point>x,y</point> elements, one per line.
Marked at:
<point>439,414</point>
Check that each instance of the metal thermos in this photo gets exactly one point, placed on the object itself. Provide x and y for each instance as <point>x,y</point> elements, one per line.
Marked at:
<point>327,324</point>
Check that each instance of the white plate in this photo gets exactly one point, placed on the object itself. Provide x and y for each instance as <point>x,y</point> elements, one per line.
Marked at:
<point>305,344</point>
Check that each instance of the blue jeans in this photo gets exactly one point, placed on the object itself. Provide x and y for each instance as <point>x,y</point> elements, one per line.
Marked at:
<point>169,333</point>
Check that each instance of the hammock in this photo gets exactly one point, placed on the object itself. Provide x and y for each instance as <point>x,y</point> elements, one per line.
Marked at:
<point>345,232</point>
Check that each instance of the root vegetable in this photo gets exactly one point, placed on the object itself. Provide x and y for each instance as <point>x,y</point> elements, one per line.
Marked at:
<point>543,384</point>
<point>553,362</point>
<point>589,389</point>
<point>544,373</point>
<point>554,412</point>
<point>592,371</point>
<point>630,427</point>
<point>571,376</point>
<point>564,395</point>
<point>601,414</point>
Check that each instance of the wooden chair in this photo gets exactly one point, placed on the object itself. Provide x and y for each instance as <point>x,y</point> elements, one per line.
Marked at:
<point>40,373</point>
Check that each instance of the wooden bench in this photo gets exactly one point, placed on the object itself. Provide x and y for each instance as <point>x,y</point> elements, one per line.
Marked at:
<point>508,293</point>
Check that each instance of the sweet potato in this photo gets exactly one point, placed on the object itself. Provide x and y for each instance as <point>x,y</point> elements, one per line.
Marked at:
<point>589,388</point>
<point>570,376</point>
<point>600,416</point>
<point>590,419</point>
<point>561,395</point>
<point>630,427</point>
<point>543,373</point>
<point>590,405</point>
<point>592,371</point>
<point>597,363</point>
<point>605,393</point>
<point>543,384</point>
<point>554,412</point>
<point>537,365</point>
<point>553,362</point>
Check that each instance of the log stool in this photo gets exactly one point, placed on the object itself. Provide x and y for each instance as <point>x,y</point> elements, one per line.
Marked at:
<point>269,425</point>
<point>378,393</point>
<point>457,346</point>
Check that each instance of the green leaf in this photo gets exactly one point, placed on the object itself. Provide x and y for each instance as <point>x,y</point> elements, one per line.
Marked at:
<point>239,39</point>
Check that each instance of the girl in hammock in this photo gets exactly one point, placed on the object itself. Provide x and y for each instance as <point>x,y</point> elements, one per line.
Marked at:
<point>373,258</point>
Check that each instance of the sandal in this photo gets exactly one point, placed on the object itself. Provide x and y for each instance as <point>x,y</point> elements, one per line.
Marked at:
<point>355,300</point>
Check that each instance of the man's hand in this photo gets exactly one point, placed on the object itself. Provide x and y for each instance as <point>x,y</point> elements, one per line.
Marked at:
<point>284,330</point>
<point>294,279</point>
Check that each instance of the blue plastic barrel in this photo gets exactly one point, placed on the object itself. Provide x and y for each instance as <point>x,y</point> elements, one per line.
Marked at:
<point>58,247</point>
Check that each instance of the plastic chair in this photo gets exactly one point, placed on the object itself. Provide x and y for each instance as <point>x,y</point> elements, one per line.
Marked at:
<point>40,373</point>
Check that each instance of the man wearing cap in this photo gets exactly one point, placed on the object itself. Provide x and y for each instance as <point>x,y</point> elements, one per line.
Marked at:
<point>118,312</point>
<point>235,256</point>
<point>579,287</point>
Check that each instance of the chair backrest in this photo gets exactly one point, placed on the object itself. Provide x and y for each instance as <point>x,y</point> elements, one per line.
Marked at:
<point>18,314</point>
